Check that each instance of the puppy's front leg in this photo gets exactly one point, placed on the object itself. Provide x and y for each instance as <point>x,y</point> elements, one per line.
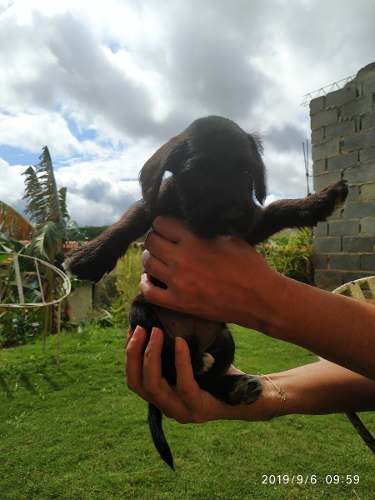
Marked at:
<point>100,255</point>
<point>299,212</point>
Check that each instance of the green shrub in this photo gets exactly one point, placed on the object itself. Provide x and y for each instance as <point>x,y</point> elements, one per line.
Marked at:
<point>19,326</point>
<point>290,254</point>
<point>128,273</point>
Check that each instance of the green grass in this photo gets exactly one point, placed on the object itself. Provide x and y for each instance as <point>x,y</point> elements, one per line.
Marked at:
<point>77,432</point>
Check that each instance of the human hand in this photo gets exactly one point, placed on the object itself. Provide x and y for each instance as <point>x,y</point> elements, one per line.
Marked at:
<point>223,279</point>
<point>185,402</point>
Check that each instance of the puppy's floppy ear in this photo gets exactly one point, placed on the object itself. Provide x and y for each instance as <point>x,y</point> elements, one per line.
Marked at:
<point>171,156</point>
<point>258,168</point>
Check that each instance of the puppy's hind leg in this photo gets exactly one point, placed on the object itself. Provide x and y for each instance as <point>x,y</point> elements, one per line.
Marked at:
<point>213,378</point>
<point>232,389</point>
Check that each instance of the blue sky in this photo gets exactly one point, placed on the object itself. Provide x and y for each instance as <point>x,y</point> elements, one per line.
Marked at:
<point>104,84</point>
<point>17,156</point>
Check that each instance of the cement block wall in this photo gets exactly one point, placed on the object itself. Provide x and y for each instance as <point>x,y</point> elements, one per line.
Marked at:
<point>343,147</point>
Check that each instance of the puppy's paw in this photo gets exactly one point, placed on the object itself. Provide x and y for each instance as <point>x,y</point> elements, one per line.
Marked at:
<point>247,389</point>
<point>328,200</point>
<point>337,193</point>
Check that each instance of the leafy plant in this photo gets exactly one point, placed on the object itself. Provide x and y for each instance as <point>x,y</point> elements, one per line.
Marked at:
<point>290,254</point>
<point>16,327</point>
<point>7,291</point>
<point>19,327</point>
<point>8,244</point>
<point>19,274</point>
<point>13,224</point>
<point>47,208</point>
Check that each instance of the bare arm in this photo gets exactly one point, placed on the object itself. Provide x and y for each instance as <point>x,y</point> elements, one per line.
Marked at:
<point>228,280</point>
<point>324,387</point>
<point>335,327</point>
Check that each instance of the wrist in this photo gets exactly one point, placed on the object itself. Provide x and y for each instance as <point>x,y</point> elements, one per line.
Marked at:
<point>275,396</point>
<point>287,392</point>
<point>262,307</point>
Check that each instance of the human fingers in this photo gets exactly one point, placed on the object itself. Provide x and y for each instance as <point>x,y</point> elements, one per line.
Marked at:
<point>159,247</point>
<point>152,360</point>
<point>170,228</point>
<point>186,386</point>
<point>152,373</point>
<point>158,391</point>
<point>134,365</point>
<point>129,336</point>
<point>137,370</point>
<point>155,294</point>
<point>155,267</point>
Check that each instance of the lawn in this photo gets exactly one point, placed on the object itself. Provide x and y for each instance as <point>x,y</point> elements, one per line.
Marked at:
<point>76,432</point>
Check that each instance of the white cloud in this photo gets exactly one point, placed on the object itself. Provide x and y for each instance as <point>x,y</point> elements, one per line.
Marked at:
<point>286,168</point>
<point>119,167</point>
<point>11,185</point>
<point>31,131</point>
<point>101,190</point>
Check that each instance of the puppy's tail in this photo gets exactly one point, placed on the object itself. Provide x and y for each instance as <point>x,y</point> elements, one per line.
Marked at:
<point>158,437</point>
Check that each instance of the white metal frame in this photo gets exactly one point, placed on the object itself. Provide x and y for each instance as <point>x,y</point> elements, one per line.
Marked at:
<point>66,283</point>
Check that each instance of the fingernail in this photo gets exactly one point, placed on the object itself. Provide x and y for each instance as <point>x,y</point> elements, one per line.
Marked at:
<point>138,330</point>
<point>179,343</point>
<point>155,332</point>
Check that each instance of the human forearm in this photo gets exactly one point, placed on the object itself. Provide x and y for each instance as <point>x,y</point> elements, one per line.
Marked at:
<point>335,327</point>
<point>323,387</point>
<point>316,388</point>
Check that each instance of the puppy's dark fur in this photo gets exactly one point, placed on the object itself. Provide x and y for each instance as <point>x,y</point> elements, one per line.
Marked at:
<point>217,187</point>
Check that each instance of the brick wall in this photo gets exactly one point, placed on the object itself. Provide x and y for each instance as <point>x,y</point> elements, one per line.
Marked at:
<point>343,147</point>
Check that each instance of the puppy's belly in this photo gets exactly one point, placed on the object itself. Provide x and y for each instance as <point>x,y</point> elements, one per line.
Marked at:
<point>200,334</point>
<point>177,324</point>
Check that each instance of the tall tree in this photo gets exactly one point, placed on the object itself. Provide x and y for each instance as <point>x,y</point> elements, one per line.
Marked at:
<point>47,208</point>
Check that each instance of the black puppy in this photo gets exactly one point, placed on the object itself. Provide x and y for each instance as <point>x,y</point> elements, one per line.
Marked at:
<point>217,187</point>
